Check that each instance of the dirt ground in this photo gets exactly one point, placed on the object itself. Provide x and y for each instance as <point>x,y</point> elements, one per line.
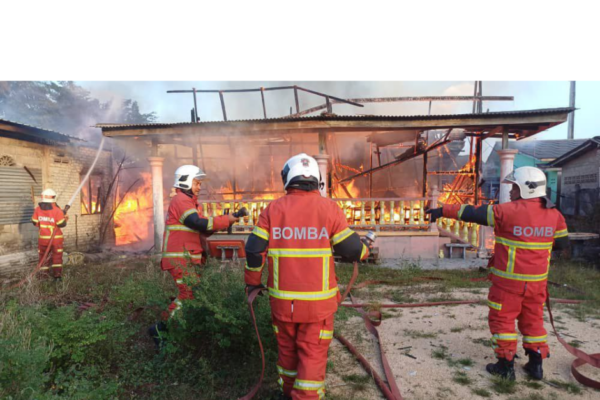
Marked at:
<point>459,337</point>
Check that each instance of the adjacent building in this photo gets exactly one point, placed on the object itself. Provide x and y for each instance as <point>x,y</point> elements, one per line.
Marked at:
<point>33,159</point>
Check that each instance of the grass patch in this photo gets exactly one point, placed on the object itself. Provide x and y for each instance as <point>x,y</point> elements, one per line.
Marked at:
<point>568,386</point>
<point>461,378</point>
<point>481,392</point>
<point>483,341</point>
<point>457,329</point>
<point>358,382</point>
<point>52,349</point>
<point>503,386</point>
<point>530,396</point>
<point>419,334</point>
<point>440,353</point>
<point>575,343</point>
<point>532,384</point>
<point>465,362</point>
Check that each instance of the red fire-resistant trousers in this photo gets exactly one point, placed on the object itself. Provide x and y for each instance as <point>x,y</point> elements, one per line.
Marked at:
<point>55,261</point>
<point>528,309</point>
<point>185,291</point>
<point>302,360</point>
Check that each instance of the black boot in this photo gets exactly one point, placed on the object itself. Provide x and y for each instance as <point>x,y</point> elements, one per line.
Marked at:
<point>503,368</point>
<point>157,333</point>
<point>280,396</point>
<point>534,366</point>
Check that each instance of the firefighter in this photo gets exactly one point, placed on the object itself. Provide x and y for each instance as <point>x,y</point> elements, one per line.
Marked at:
<point>181,241</point>
<point>527,230</point>
<point>50,218</point>
<point>295,235</point>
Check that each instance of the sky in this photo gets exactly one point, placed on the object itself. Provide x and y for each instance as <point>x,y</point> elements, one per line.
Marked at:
<point>528,95</point>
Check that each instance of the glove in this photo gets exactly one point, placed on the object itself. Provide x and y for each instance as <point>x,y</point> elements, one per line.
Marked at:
<point>251,288</point>
<point>242,212</point>
<point>434,214</point>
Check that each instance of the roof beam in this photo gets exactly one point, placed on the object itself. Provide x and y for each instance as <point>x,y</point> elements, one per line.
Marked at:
<point>476,122</point>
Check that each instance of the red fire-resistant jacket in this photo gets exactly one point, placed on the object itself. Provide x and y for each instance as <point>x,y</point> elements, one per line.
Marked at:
<point>183,227</point>
<point>526,232</point>
<point>296,234</point>
<point>48,217</point>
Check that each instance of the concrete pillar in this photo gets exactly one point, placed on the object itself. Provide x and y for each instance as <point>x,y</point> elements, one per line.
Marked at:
<point>323,161</point>
<point>507,162</point>
<point>156,164</point>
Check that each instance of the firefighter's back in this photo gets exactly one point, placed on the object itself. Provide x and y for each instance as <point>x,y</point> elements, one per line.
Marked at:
<point>302,280</point>
<point>525,232</point>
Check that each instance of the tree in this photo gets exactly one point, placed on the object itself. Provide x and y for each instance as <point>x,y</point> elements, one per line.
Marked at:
<point>64,107</point>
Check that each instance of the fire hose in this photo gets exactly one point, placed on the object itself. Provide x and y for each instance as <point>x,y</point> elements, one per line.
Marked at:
<point>44,258</point>
<point>374,318</point>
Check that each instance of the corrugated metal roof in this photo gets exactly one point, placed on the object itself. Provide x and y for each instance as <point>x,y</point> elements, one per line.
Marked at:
<point>52,135</point>
<point>588,144</point>
<point>544,149</point>
<point>329,117</point>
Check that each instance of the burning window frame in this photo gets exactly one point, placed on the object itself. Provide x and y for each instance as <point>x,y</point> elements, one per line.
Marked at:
<point>88,205</point>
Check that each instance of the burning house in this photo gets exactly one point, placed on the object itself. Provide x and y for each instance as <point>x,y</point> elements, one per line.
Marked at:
<point>381,170</point>
<point>33,159</point>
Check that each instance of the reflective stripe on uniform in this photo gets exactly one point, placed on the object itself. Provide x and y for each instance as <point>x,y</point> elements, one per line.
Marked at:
<point>461,210</point>
<point>504,336</point>
<point>60,222</point>
<point>363,252</point>
<point>210,225</point>
<point>341,236</point>
<point>309,296</point>
<point>261,233</point>
<point>179,281</point>
<point>490,216</point>
<point>535,339</point>
<point>276,272</point>
<point>56,265</point>
<point>510,265</point>
<point>286,372</point>
<point>561,233</point>
<point>300,252</point>
<point>47,226</point>
<point>55,237</point>
<point>495,306</point>
<point>59,250</point>
<point>325,273</point>
<point>275,329</point>
<point>44,268</point>
<point>308,385</point>
<point>179,228</point>
<point>187,214</point>
<point>258,269</point>
<point>325,334</point>
<point>519,277</point>
<point>34,220</point>
<point>524,245</point>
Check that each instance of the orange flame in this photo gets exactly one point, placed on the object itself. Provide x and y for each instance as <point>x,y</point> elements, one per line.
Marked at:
<point>133,217</point>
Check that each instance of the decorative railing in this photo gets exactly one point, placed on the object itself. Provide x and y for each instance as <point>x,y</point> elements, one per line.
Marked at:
<point>466,232</point>
<point>379,214</point>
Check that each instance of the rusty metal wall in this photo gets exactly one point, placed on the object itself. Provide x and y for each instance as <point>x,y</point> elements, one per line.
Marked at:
<point>16,204</point>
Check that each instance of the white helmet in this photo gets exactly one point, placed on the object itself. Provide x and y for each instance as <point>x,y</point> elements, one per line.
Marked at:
<point>186,174</point>
<point>531,181</point>
<point>48,196</point>
<point>301,168</point>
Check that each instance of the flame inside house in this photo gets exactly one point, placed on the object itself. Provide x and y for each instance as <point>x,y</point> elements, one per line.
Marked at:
<point>133,219</point>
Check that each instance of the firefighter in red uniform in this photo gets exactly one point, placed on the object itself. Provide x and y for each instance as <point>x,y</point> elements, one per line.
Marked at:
<point>527,229</point>
<point>181,240</point>
<point>50,218</point>
<point>295,234</point>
